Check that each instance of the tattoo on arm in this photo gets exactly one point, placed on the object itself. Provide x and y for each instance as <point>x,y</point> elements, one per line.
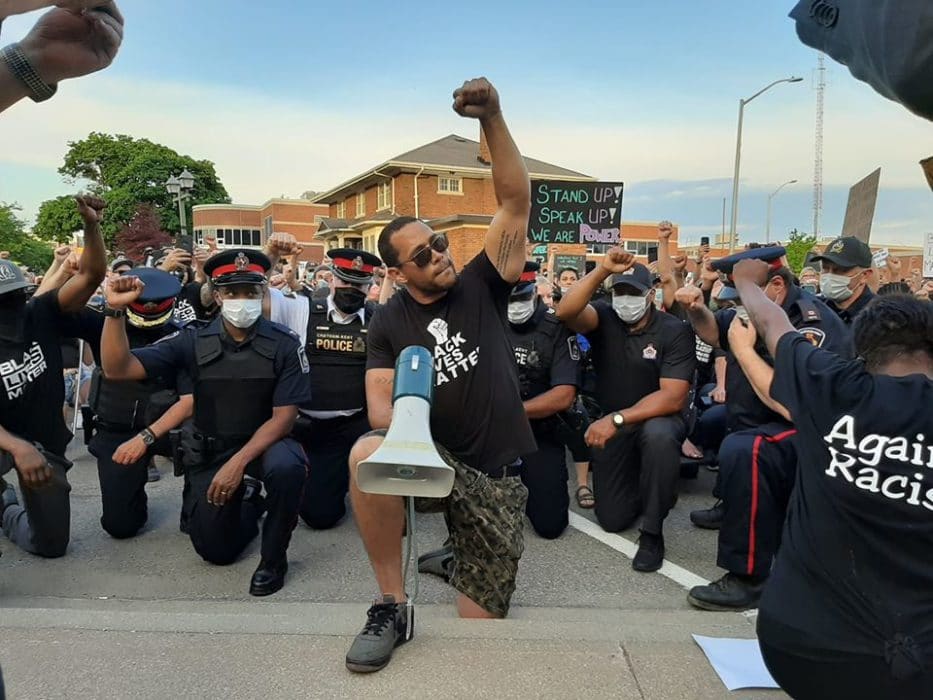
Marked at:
<point>385,380</point>
<point>507,245</point>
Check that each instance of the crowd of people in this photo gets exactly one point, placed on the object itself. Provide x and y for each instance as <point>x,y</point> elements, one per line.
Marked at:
<point>266,386</point>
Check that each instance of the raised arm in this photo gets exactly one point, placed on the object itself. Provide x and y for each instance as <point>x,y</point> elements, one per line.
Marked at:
<point>574,308</point>
<point>701,318</point>
<point>759,373</point>
<point>508,232</point>
<point>769,318</point>
<point>116,360</point>
<point>92,267</point>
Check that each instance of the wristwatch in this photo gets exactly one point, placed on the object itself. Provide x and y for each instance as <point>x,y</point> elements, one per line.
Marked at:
<point>618,420</point>
<point>23,70</point>
<point>110,312</point>
<point>148,437</point>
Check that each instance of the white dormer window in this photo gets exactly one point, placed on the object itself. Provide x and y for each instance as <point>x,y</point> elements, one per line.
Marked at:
<point>361,204</point>
<point>449,185</point>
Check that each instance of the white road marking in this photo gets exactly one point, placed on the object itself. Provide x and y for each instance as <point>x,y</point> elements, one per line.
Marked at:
<point>677,574</point>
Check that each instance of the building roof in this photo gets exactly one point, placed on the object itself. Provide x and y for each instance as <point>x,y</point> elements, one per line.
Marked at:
<point>451,153</point>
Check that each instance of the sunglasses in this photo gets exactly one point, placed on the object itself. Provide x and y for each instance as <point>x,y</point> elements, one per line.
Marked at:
<point>437,243</point>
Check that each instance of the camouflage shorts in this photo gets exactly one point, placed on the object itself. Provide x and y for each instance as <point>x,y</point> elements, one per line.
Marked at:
<point>486,521</point>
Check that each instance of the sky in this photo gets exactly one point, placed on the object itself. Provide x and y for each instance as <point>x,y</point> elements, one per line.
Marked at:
<point>286,97</point>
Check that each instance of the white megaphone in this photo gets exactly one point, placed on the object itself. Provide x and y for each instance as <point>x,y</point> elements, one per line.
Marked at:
<point>407,463</point>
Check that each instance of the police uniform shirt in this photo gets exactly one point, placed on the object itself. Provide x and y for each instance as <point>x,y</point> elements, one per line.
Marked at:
<point>545,339</point>
<point>294,312</point>
<point>477,412</point>
<point>854,569</point>
<point>630,366</point>
<point>33,391</point>
<point>811,317</point>
<point>848,315</point>
<point>176,353</point>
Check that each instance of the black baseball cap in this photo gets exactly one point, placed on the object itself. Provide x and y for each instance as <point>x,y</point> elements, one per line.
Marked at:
<point>638,277</point>
<point>847,251</point>
<point>12,279</point>
<point>120,262</point>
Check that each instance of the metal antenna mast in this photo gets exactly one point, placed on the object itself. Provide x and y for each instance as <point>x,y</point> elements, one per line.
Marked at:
<point>818,146</point>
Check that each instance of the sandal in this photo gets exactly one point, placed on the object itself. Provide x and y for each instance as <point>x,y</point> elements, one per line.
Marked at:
<point>585,497</point>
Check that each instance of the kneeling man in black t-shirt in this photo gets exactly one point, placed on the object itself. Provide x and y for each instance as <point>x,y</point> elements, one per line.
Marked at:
<point>477,417</point>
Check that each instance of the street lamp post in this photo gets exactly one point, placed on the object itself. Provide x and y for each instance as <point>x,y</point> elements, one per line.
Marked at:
<point>770,198</point>
<point>738,155</point>
<point>180,188</point>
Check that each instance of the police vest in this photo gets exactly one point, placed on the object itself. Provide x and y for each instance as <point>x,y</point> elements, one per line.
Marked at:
<point>233,389</point>
<point>534,354</point>
<point>337,355</point>
<point>129,406</point>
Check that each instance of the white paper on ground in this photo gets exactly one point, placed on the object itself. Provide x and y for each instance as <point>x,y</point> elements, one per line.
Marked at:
<point>737,662</point>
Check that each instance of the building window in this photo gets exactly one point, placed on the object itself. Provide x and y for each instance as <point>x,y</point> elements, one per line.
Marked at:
<point>238,237</point>
<point>267,226</point>
<point>361,204</point>
<point>640,248</point>
<point>355,243</point>
<point>449,185</point>
<point>384,196</point>
<point>342,210</point>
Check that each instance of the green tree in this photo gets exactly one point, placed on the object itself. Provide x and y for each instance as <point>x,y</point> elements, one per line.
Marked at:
<point>798,245</point>
<point>57,219</point>
<point>24,249</point>
<point>129,172</point>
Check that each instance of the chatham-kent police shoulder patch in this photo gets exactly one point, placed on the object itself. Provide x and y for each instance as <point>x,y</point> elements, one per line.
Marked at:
<point>574,348</point>
<point>815,336</point>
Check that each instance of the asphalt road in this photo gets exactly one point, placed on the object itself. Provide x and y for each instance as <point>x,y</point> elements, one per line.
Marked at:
<point>147,618</point>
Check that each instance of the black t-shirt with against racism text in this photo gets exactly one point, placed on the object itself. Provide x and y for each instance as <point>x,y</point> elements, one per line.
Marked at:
<point>477,412</point>
<point>854,572</point>
<point>629,366</point>
<point>33,389</point>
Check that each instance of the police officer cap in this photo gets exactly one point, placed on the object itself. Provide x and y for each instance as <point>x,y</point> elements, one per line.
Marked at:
<point>526,282</point>
<point>237,266</point>
<point>12,279</point>
<point>769,254</point>
<point>156,304</point>
<point>354,266</point>
<point>637,276</point>
<point>121,262</point>
<point>847,251</point>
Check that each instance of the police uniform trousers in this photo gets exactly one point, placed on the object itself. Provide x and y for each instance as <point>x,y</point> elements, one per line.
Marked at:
<point>328,445</point>
<point>221,533</point>
<point>42,524</point>
<point>544,474</point>
<point>757,468</point>
<point>636,474</point>
<point>122,486</point>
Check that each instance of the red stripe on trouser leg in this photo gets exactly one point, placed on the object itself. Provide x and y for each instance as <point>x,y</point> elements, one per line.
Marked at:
<point>754,509</point>
<point>753,516</point>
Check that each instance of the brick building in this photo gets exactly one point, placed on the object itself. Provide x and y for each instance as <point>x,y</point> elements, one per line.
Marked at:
<point>250,226</point>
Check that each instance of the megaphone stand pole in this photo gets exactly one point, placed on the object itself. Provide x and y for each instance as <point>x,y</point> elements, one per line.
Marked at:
<point>411,554</point>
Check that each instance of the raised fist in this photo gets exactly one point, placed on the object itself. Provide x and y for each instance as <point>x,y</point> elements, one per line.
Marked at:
<point>123,291</point>
<point>61,253</point>
<point>707,273</point>
<point>754,271</point>
<point>477,99</point>
<point>91,209</point>
<point>665,229</point>
<point>617,260</point>
<point>690,297</point>
<point>679,263</point>
<point>282,244</point>
<point>175,259</point>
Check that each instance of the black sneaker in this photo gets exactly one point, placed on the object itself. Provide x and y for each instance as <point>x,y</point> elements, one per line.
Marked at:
<point>650,554</point>
<point>730,593</point>
<point>440,562</point>
<point>710,518</point>
<point>388,625</point>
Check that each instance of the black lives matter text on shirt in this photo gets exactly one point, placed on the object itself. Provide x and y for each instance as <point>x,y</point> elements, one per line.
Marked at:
<point>631,365</point>
<point>854,569</point>
<point>477,412</point>
<point>33,389</point>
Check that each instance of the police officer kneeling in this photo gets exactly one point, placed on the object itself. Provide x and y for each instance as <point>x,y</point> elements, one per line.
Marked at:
<point>131,420</point>
<point>547,357</point>
<point>249,375</point>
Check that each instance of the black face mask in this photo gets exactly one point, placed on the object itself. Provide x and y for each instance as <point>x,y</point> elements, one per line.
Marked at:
<point>12,311</point>
<point>349,299</point>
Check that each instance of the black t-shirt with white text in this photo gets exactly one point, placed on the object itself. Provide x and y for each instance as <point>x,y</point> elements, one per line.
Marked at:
<point>854,573</point>
<point>477,412</point>
<point>630,366</point>
<point>33,390</point>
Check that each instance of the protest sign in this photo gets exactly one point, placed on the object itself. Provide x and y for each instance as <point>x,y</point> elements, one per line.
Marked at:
<point>575,212</point>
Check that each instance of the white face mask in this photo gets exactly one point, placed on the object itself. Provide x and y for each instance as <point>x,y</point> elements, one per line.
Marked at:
<point>630,309</point>
<point>835,287</point>
<point>242,313</point>
<point>520,311</point>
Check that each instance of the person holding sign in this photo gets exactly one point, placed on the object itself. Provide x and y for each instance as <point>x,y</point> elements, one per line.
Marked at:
<point>645,362</point>
<point>477,418</point>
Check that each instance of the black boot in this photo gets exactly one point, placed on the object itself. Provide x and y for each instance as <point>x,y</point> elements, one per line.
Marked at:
<point>650,554</point>
<point>730,593</point>
<point>709,519</point>
<point>269,577</point>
